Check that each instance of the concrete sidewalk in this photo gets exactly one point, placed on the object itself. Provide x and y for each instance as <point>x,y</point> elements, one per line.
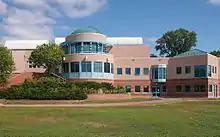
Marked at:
<point>162,101</point>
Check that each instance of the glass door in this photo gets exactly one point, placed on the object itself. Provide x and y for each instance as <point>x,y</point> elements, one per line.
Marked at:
<point>156,91</point>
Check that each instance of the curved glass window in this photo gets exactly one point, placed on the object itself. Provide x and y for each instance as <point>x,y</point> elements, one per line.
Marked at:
<point>97,66</point>
<point>107,67</point>
<point>85,47</point>
<point>86,66</point>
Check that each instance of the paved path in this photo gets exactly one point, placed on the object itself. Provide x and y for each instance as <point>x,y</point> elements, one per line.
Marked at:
<point>153,102</point>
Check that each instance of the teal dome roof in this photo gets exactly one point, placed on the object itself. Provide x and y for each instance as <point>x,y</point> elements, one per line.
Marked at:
<point>85,30</point>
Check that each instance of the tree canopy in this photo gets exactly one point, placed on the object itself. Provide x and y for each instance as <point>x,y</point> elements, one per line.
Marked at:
<point>48,55</point>
<point>6,65</point>
<point>216,53</point>
<point>176,42</point>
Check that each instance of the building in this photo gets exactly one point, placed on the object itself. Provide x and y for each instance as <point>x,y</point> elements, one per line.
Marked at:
<point>126,61</point>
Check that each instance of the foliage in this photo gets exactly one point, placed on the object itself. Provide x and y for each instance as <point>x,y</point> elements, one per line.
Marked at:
<point>216,53</point>
<point>176,42</point>
<point>153,55</point>
<point>6,65</point>
<point>48,55</point>
<point>51,88</point>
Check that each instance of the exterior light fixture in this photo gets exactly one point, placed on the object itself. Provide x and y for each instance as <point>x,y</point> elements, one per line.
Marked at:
<point>86,57</point>
<point>64,58</point>
<point>133,59</point>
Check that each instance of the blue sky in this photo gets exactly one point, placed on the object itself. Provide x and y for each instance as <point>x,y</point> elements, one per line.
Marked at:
<point>144,18</point>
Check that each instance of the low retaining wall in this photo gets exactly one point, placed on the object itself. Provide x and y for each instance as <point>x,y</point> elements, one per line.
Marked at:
<point>116,96</point>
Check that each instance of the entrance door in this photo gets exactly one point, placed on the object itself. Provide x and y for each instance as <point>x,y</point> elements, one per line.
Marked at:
<point>156,91</point>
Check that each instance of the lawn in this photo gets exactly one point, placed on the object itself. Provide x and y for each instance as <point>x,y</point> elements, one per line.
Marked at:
<point>188,119</point>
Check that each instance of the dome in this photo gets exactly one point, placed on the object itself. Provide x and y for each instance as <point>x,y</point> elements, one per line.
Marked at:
<point>86,30</point>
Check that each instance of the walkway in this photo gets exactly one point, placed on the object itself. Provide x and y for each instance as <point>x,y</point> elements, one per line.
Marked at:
<point>153,102</point>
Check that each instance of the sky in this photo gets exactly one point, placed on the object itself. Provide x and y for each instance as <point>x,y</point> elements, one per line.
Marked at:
<point>46,19</point>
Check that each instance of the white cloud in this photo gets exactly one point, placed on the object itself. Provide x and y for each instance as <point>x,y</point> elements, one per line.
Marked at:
<point>3,7</point>
<point>215,2</point>
<point>81,8</point>
<point>35,19</point>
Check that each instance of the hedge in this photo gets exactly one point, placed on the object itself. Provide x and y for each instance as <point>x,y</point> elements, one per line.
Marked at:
<point>50,88</point>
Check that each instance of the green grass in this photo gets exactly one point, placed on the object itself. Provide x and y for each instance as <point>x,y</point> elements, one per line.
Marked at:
<point>188,119</point>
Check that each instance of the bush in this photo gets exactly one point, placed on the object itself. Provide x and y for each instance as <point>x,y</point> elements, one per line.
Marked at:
<point>46,88</point>
<point>50,88</point>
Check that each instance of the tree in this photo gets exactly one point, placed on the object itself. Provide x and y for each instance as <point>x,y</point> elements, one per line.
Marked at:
<point>48,55</point>
<point>176,42</point>
<point>153,55</point>
<point>6,65</point>
<point>216,53</point>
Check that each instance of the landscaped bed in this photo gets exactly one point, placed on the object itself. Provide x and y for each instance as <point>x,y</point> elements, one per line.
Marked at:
<point>76,101</point>
<point>186,119</point>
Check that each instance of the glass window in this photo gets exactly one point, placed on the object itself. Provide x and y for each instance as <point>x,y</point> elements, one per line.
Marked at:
<point>210,88</point>
<point>164,89</point>
<point>128,71</point>
<point>86,66</point>
<point>65,49</point>
<point>178,88</point>
<point>128,88</point>
<point>200,71</point>
<point>112,68</point>
<point>119,71</point>
<point>137,88</point>
<point>107,67</point>
<point>66,67</point>
<point>137,71</point>
<point>78,47</point>
<point>215,70</point>
<point>199,88</point>
<point>178,70</point>
<point>74,66</point>
<point>99,47</point>
<point>97,66</point>
<point>145,71</point>
<point>155,73</point>
<point>187,69</point>
<point>187,88</point>
<point>209,71</point>
<point>146,88</point>
<point>86,47</point>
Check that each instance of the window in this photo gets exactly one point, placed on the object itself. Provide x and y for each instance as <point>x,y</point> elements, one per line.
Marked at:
<point>128,88</point>
<point>74,66</point>
<point>200,71</point>
<point>161,73</point>
<point>119,71</point>
<point>99,47</point>
<point>112,68</point>
<point>199,88</point>
<point>178,70</point>
<point>137,71</point>
<point>78,47</point>
<point>86,66</point>
<point>210,88</point>
<point>178,88</point>
<point>145,71</point>
<point>164,89</point>
<point>187,88</point>
<point>215,70</point>
<point>209,71</point>
<point>187,69</point>
<point>128,71</point>
<point>97,66</point>
<point>65,49</point>
<point>107,67</point>
<point>30,66</point>
<point>146,88</point>
<point>66,67</point>
<point>137,88</point>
